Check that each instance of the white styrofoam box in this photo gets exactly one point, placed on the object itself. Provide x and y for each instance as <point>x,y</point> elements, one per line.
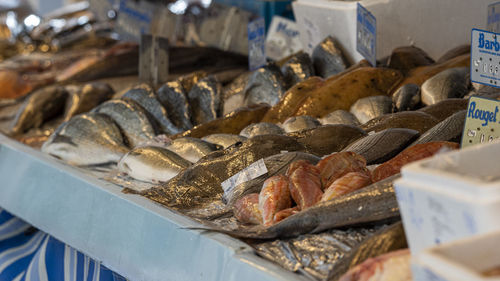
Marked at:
<point>434,26</point>
<point>461,260</point>
<point>450,196</point>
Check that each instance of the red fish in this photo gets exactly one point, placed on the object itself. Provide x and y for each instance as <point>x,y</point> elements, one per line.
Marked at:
<point>338,164</point>
<point>305,184</point>
<point>274,197</point>
<point>348,183</point>
<point>283,214</point>
<point>411,154</point>
<point>246,209</point>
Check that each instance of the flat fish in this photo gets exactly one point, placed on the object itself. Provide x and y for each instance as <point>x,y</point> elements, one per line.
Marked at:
<point>449,129</point>
<point>131,118</point>
<point>265,85</point>
<point>347,183</point>
<point>276,165</point>
<point>305,184</point>
<point>340,117</point>
<point>368,108</point>
<point>39,107</point>
<point>328,58</point>
<point>337,165</point>
<point>246,209</point>
<point>147,99</point>
<point>173,97</point>
<point>152,164</point>
<point>87,139</point>
<point>82,99</point>
<point>298,68</point>
<point>274,197</point>
<point>411,154</point>
<point>299,123</point>
<point>224,140</point>
<point>191,149</point>
<point>263,128</point>
<point>408,57</point>
<point>407,97</point>
<point>414,120</point>
<point>205,100</point>
<point>451,83</point>
<point>327,139</point>
<point>382,146</point>
<point>446,108</point>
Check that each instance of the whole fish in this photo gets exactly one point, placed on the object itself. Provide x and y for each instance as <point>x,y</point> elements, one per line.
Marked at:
<point>411,154</point>
<point>83,98</point>
<point>305,184</point>
<point>131,118</point>
<point>191,79</point>
<point>274,197</point>
<point>152,164</point>
<point>446,108</point>
<point>265,85</point>
<point>263,128</point>
<point>297,68</point>
<point>327,139</point>
<point>205,100</point>
<point>276,165</point>
<point>147,99</point>
<point>191,149</point>
<point>450,129</point>
<point>39,107</point>
<point>365,109</point>
<point>234,93</point>
<point>173,97</point>
<point>246,209</point>
<point>454,52</point>
<point>384,145</point>
<point>328,58</point>
<point>340,117</point>
<point>347,183</point>
<point>202,182</point>
<point>407,97</point>
<point>451,83</point>
<point>224,140</point>
<point>408,57</point>
<point>87,139</point>
<point>337,165</point>
<point>299,123</point>
<point>414,120</point>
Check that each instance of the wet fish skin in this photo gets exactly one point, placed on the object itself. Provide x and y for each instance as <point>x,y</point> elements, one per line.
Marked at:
<point>224,140</point>
<point>274,197</point>
<point>265,85</point>
<point>191,79</point>
<point>407,97</point>
<point>339,164</point>
<point>305,184</point>
<point>263,128</point>
<point>368,108</point>
<point>83,98</point>
<point>347,183</point>
<point>192,149</point>
<point>152,164</point>
<point>147,99</point>
<point>131,118</point>
<point>39,107</point>
<point>451,83</point>
<point>205,100</point>
<point>173,97</point>
<point>415,120</point>
<point>246,209</point>
<point>328,58</point>
<point>299,123</point>
<point>87,139</point>
<point>446,108</point>
<point>340,117</point>
<point>449,129</point>
<point>382,146</point>
<point>408,57</point>
<point>298,68</point>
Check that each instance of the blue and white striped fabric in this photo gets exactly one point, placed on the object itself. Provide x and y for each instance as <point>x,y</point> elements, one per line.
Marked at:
<point>27,254</point>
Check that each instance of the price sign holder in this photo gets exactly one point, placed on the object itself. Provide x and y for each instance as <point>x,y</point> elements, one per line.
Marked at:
<point>482,123</point>
<point>366,34</point>
<point>485,57</point>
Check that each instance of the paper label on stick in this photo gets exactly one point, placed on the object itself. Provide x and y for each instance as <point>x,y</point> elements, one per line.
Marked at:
<point>251,172</point>
<point>482,123</point>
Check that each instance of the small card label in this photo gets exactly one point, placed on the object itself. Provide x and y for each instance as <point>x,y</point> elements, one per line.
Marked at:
<point>485,58</point>
<point>134,19</point>
<point>251,172</point>
<point>366,34</point>
<point>283,38</point>
<point>312,35</point>
<point>493,22</point>
<point>482,123</point>
<point>256,43</point>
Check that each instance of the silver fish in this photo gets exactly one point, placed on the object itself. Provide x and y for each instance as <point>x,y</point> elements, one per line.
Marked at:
<point>451,83</point>
<point>152,164</point>
<point>299,123</point>
<point>147,99</point>
<point>298,68</point>
<point>234,93</point>
<point>266,85</point>
<point>340,117</point>
<point>450,129</point>
<point>87,139</point>
<point>83,98</point>
<point>131,118</point>
<point>191,149</point>
<point>407,97</point>
<point>262,128</point>
<point>328,58</point>
<point>368,108</point>
<point>205,100</point>
<point>224,140</point>
<point>173,97</point>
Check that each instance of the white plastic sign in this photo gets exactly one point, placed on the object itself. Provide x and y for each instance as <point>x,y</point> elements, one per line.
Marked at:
<point>251,172</point>
<point>366,34</point>
<point>283,38</point>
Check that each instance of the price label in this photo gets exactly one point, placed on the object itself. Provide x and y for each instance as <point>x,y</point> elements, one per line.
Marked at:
<point>485,58</point>
<point>366,34</point>
<point>482,123</point>
<point>134,19</point>
<point>251,172</point>
<point>493,22</point>
<point>282,39</point>
<point>256,43</point>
